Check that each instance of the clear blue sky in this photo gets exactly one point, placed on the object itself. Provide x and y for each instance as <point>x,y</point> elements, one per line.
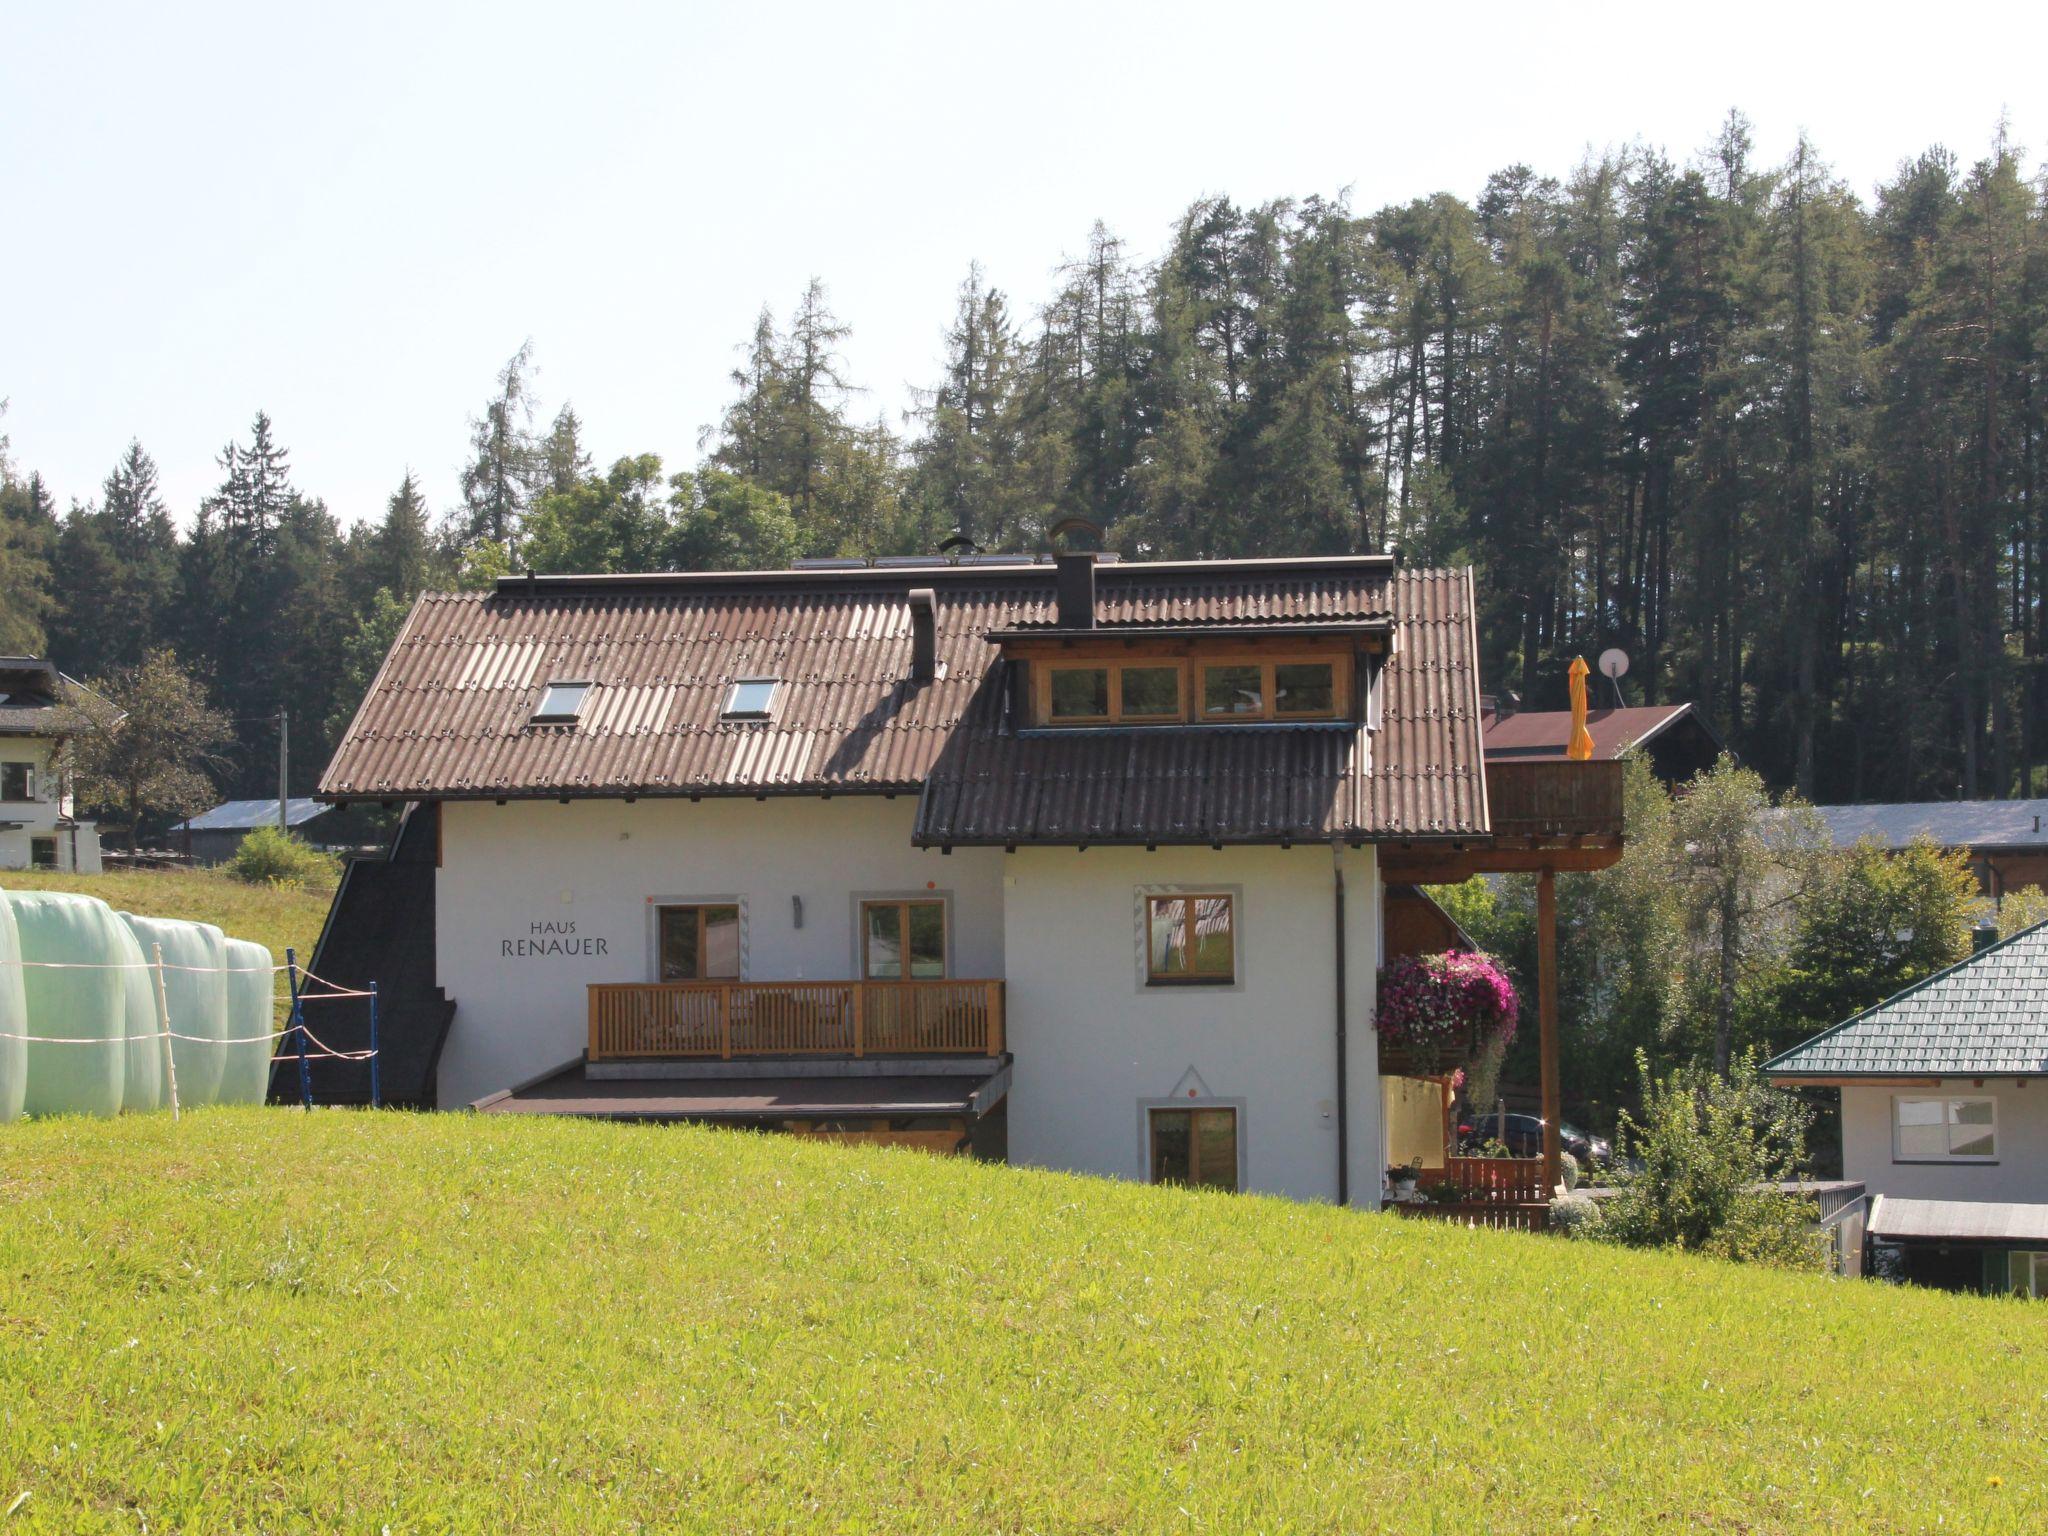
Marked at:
<point>351,215</point>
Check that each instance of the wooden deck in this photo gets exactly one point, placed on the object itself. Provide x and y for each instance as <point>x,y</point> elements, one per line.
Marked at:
<point>795,1018</point>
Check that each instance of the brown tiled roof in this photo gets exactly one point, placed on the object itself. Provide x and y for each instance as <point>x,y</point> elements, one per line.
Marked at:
<point>448,716</point>
<point>1548,732</point>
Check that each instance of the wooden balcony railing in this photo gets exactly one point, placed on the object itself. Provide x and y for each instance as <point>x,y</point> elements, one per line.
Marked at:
<point>1549,798</point>
<point>796,1018</point>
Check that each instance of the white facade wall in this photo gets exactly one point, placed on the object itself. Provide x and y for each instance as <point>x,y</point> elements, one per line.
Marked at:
<point>1096,1048</point>
<point>579,884</point>
<point>2019,1172</point>
<point>77,847</point>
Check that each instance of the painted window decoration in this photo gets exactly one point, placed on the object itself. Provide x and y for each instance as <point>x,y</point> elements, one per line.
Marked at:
<point>1190,940</point>
<point>903,940</point>
<point>561,703</point>
<point>750,698</point>
<point>1195,1147</point>
<point>700,943</point>
<point>1944,1129</point>
<point>1183,690</point>
<point>17,781</point>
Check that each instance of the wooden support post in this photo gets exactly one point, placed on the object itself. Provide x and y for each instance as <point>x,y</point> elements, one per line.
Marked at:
<point>859,1023</point>
<point>1546,1014</point>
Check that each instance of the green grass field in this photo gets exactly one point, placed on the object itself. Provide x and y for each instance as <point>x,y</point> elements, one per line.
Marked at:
<point>263,1320</point>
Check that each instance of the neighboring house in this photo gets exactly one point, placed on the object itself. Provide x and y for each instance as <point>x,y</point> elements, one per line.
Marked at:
<point>1945,1116</point>
<point>2006,840</point>
<point>213,836</point>
<point>38,716</point>
<point>1677,742</point>
<point>1079,863</point>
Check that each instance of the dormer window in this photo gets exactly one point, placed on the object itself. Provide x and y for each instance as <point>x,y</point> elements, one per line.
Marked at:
<point>1160,685</point>
<point>750,698</point>
<point>561,703</point>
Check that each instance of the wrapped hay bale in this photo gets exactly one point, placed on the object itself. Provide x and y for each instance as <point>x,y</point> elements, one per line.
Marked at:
<point>13,1019</point>
<point>251,1015</point>
<point>143,1057</point>
<point>77,993</point>
<point>195,988</point>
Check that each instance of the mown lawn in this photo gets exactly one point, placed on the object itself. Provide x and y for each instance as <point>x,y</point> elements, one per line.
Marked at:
<point>259,1319</point>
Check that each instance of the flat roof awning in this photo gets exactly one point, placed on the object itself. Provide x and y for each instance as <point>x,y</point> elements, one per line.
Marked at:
<point>1958,1221</point>
<point>970,1093</point>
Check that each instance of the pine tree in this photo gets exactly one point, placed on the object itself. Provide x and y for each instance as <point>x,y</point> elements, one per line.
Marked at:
<point>497,481</point>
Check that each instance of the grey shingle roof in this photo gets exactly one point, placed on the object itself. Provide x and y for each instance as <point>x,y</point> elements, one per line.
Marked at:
<point>247,815</point>
<point>1986,1016</point>
<point>1950,823</point>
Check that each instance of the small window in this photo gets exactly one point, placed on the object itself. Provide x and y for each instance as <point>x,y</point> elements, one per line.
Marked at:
<point>1305,689</point>
<point>1149,693</point>
<point>2027,1274</point>
<point>42,852</point>
<point>750,698</point>
<point>1080,693</point>
<point>700,943</point>
<point>1943,1130</point>
<point>1195,1147</point>
<point>561,703</point>
<point>17,781</point>
<point>1191,940</point>
<point>1233,690</point>
<point>893,932</point>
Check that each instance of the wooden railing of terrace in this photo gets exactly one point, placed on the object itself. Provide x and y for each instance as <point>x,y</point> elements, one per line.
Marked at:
<point>1505,1192</point>
<point>796,1018</point>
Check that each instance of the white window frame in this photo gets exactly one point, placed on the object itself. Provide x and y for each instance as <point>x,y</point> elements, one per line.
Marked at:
<point>730,710</point>
<point>1947,1101</point>
<point>542,715</point>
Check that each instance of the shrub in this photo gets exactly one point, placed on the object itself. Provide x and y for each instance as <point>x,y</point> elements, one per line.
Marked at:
<point>1704,1163</point>
<point>1575,1216</point>
<point>272,856</point>
<point>1568,1170</point>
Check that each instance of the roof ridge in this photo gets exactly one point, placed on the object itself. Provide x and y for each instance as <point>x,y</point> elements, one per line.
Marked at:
<point>1905,992</point>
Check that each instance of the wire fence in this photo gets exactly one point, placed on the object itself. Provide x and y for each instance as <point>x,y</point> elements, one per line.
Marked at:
<point>309,1046</point>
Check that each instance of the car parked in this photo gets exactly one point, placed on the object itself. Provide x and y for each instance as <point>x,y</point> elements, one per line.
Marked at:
<point>1523,1137</point>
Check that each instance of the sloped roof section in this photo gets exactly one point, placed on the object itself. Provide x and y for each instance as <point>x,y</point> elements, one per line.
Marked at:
<point>247,815</point>
<point>1990,824</point>
<point>450,713</point>
<point>1986,1016</point>
<point>1548,732</point>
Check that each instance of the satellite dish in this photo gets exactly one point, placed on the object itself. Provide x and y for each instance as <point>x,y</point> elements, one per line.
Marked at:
<point>1614,662</point>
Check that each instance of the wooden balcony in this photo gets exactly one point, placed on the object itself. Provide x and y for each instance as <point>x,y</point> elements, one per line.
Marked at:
<point>724,1019</point>
<point>1546,798</point>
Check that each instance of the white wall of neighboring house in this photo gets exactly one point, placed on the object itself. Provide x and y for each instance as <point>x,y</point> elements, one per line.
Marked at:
<point>590,873</point>
<point>2017,1172</point>
<point>1096,1048</point>
<point>76,847</point>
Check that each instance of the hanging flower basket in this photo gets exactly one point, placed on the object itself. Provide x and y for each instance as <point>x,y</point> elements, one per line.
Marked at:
<point>1451,1007</point>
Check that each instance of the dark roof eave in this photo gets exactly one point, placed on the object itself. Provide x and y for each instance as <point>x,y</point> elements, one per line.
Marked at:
<point>1141,630</point>
<point>336,795</point>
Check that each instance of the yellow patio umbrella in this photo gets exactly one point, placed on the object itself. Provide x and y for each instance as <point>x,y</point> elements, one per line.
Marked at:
<point>1581,748</point>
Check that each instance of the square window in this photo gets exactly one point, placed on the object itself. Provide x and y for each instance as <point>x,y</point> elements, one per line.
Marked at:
<point>1194,1147</point>
<point>17,780</point>
<point>560,703</point>
<point>1190,940</point>
<point>1080,693</point>
<point>42,852</point>
<point>1233,691</point>
<point>700,943</point>
<point>892,930</point>
<point>1149,693</point>
<point>1305,688</point>
<point>1941,1129</point>
<point>750,698</point>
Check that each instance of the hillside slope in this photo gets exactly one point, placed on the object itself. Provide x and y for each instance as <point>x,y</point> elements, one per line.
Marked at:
<point>262,1319</point>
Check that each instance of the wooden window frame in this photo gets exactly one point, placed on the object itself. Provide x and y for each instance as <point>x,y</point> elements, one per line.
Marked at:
<point>1154,977</point>
<point>1194,1112</point>
<point>661,911</point>
<point>903,904</point>
<point>1190,670</point>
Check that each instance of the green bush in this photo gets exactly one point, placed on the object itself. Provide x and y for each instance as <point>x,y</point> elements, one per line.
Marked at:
<point>1703,1167</point>
<point>272,856</point>
<point>1575,1216</point>
<point>1568,1170</point>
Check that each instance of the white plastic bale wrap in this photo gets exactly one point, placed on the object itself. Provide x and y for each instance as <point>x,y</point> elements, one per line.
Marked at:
<point>143,1056</point>
<point>77,994</point>
<point>13,1019</point>
<point>251,996</point>
<point>195,987</point>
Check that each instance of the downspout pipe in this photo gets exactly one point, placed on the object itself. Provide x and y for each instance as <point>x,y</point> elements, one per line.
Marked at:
<point>1343,1062</point>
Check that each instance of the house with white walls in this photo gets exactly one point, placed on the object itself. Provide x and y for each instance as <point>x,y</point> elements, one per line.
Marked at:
<point>38,717</point>
<point>1072,861</point>
<point>1944,1095</point>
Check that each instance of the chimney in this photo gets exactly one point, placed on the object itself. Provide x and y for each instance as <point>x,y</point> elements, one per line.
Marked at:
<point>924,634</point>
<point>1506,704</point>
<point>1075,578</point>
<point>1983,936</point>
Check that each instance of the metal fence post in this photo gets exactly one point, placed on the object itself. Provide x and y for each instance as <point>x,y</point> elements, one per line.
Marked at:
<point>376,1097</point>
<point>291,962</point>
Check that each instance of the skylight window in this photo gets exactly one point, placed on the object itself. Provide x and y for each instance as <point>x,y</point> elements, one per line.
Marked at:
<point>560,703</point>
<point>750,698</point>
